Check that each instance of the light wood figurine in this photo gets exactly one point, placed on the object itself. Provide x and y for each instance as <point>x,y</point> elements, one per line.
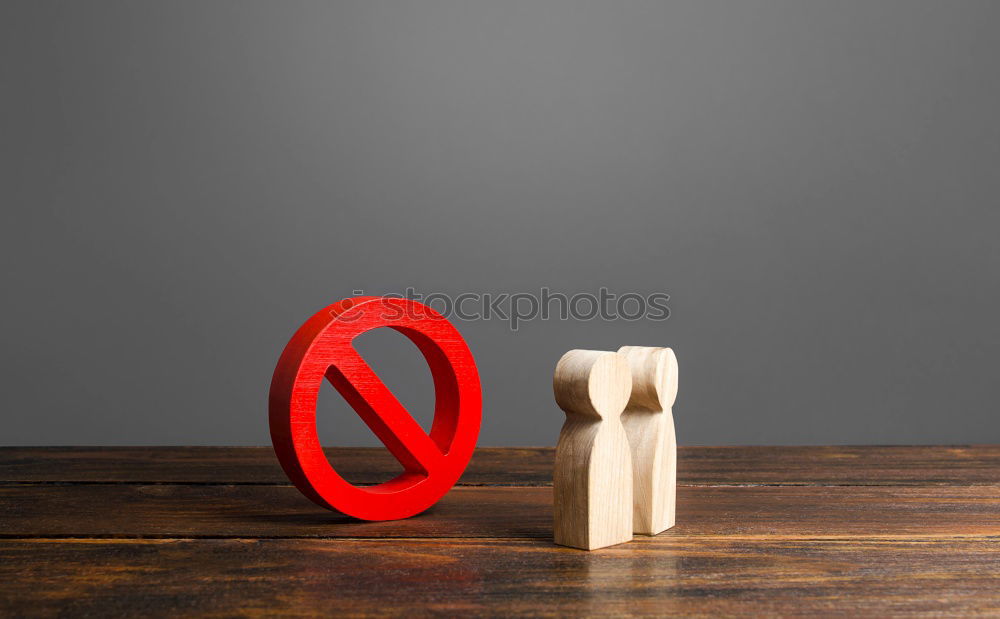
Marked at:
<point>649,423</point>
<point>593,470</point>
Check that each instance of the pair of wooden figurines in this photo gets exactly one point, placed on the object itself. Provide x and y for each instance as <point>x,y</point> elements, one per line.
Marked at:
<point>616,462</point>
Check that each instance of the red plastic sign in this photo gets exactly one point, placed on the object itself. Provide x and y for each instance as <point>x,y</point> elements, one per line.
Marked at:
<point>321,349</point>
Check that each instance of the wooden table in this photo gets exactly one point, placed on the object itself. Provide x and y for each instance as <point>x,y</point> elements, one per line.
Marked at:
<point>760,530</point>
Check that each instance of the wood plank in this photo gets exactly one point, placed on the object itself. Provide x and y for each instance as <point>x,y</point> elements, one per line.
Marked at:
<point>876,465</point>
<point>659,576</point>
<point>831,465</point>
<point>246,465</point>
<point>509,512</point>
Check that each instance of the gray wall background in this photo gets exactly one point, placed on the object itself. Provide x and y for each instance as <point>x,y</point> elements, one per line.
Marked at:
<point>815,184</point>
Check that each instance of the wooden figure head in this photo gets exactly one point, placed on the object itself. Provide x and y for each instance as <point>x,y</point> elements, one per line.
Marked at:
<point>592,383</point>
<point>654,377</point>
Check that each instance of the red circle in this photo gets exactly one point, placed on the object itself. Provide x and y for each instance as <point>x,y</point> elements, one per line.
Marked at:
<point>321,349</point>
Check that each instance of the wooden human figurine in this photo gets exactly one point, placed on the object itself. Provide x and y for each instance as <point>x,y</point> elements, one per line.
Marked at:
<point>649,423</point>
<point>593,471</point>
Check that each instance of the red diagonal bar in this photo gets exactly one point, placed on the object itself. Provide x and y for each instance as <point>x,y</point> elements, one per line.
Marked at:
<point>387,418</point>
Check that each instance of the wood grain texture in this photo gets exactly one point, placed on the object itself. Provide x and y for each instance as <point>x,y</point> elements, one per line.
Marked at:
<point>924,465</point>
<point>855,532</point>
<point>530,466</point>
<point>280,511</point>
<point>651,576</point>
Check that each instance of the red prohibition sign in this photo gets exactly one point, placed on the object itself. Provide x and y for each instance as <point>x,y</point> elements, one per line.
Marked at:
<point>322,350</point>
